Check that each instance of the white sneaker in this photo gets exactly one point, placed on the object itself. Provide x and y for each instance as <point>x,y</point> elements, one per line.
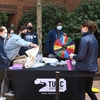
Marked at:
<point>2,98</point>
<point>9,94</point>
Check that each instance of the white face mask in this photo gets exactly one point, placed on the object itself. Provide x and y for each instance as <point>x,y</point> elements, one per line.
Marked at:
<point>4,36</point>
<point>12,34</point>
<point>59,27</point>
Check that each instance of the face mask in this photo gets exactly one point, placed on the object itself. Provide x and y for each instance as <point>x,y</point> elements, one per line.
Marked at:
<point>12,34</point>
<point>4,36</point>
<point>59,27</point>
<point>30,28</point>
<point>23,35</point>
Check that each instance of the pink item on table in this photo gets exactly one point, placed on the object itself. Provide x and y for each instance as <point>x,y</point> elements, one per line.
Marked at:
<point>17,66</point>
<point>69,64</point>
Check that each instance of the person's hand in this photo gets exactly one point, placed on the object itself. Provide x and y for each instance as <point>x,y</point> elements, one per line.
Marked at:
<point>71,56</point>
<point>33,45</point>
<point>65,34</point>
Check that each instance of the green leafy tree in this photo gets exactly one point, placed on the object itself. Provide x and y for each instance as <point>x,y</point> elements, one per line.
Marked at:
<point>87,10</point>
<point>50,13</point>
<point>28,16</point>
<point>3,18</point>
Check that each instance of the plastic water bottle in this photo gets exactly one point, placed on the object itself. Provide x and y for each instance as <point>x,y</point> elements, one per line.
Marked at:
<point>40,57</point>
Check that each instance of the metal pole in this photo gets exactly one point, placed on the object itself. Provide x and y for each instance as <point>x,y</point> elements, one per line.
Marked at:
<point>57,85</point>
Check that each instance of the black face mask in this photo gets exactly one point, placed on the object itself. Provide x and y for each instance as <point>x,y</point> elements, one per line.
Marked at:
<point>30,28</point>
<point>23,35</point>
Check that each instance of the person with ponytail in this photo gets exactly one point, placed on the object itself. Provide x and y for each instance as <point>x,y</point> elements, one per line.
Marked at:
<point>86,60</point>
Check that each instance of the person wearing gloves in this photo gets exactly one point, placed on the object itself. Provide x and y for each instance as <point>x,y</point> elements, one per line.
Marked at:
<point>86,60</point>
<point>3,57</point>
<point>51,38</point>
<point>16,42</point>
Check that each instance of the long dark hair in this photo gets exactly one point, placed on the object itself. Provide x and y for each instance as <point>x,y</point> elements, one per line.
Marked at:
<point>31,31</point>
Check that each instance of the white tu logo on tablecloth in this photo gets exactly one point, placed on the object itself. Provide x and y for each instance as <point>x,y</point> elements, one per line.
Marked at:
<point>49,84</point>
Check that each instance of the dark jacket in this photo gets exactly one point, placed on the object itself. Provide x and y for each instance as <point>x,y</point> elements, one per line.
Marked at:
<point>51,38</point>
<point>86,60</point>
<point>31,37</point>
<point>3,56</point>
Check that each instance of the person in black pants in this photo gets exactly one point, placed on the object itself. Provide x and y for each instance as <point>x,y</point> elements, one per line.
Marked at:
<point>86,60</point>
<point>84,85</point>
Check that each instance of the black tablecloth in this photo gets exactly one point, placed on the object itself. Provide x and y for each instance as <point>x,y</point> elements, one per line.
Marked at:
<point>39,83</point>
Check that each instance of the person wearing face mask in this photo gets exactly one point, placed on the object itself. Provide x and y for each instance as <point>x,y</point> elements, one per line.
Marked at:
<point>31,35</point>
<point>10,33</point>
<point>3,57</point>
<point>22,34</point>
<point>86,60</point>
<point>13,47</point>
<point>6,87</point>
<point>16,42</point>
<point>51,38</point>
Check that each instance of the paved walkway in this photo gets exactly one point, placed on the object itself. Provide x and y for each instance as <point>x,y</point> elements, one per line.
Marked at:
<point>96,84</point>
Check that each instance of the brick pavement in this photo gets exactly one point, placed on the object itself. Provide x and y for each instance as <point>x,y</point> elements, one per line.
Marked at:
<point>96,84</point>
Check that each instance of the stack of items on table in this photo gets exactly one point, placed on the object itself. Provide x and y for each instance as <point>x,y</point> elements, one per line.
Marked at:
<point>25,61</point>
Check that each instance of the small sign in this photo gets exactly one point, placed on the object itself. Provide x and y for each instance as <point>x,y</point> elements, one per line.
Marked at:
<point>49,84</point>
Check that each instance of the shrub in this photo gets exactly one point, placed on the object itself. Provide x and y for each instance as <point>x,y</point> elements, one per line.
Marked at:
<point>3,18</point>
<point>87,10</point>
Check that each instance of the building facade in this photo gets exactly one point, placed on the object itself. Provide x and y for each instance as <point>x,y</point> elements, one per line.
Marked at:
<point>15,8</point>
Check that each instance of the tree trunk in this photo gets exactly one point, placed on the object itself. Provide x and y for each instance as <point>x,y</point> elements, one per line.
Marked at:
<point>39,23</point>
